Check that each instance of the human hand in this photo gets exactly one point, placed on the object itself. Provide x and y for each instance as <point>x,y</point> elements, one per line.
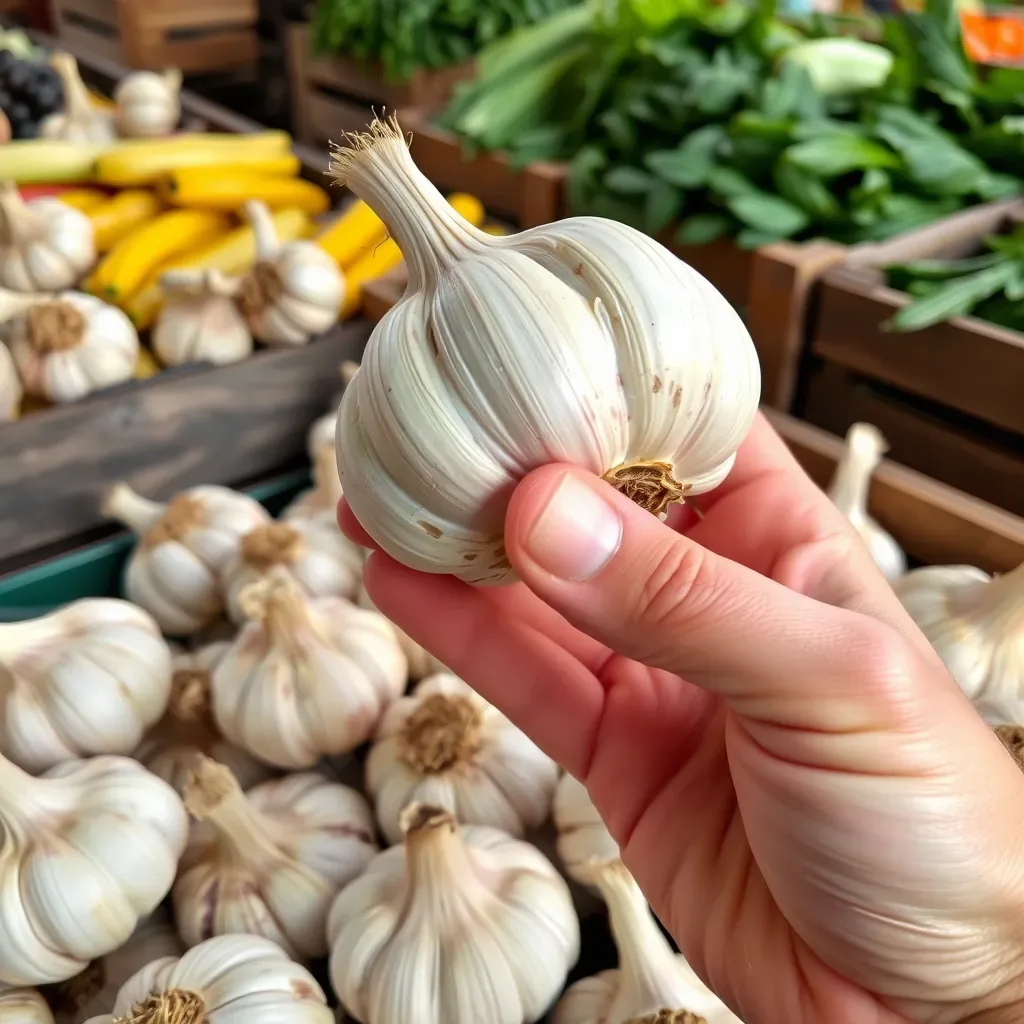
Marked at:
<point>805,796</point>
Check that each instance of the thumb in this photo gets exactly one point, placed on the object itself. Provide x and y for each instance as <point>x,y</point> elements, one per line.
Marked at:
<point>621,575</point>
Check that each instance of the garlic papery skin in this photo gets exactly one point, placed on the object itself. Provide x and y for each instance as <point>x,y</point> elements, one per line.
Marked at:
<point>95,989</point>
<point>456,926</point>
<point>583,341</point>
<point>10,387</point>
<point>269,862</point>
<point>148,104</point>
<point>583,837</point>
<point>226,980</point>
<point>294,291</point>
<point>188,732</point>
<point>71,345</point>
<point>89,849</point>
<point>24,1006</point>
<point>651,982</point>
<point>199,321</point>
<point>316,555</point>
<point>45,245</point>
<point>849,490</point>
<point>81,120</point>
<point>101,654</point>
<point>306,677</point>
<point>184,547</point>
<point>421,662</point>
<point>445,744</point>
<point>975,622</point>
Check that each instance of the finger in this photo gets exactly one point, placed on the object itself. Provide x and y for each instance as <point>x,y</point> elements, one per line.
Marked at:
<point>623,577</point>
<point>535,681</point>
<point>351,527</point>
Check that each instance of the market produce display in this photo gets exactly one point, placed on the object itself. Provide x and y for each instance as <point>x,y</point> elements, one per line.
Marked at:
<point>30,91</point>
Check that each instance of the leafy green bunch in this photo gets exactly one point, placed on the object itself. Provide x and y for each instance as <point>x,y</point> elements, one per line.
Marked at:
<point>407,35</point>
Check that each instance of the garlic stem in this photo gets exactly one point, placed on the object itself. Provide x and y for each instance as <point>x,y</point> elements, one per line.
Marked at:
<point>1001,603</point>
<point>378,167</point>
<point>14,304</point>
<point>77,105</point>
<point>670,1017</point>
<point>263,230</point>
<point>173,1006</point>
<point>200,282</point>
<point>851,484</point>
<point>348,369</point>
<point>277,603</point>
<point>139,514</point>
<point>19,223</point>
<point>325,474</point>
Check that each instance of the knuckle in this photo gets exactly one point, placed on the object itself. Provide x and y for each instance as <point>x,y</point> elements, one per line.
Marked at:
<point>670,587</point>
<point>888,664</point>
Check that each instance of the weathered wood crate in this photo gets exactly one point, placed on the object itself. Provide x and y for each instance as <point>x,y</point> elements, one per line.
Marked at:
<point>197,36</point>
<point>332,95</point>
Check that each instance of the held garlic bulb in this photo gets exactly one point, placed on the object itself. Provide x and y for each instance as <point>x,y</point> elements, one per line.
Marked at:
<point>45,245</point>
<point>446,744</point>
<point>99,654</point>
<point>187,732</point>
<point>23,1006</point>
<point>226,980</point>
<point>583,341</point>
<point>456,926</point>
<point>582,836</point>
<point>651,982</point>
<point>199,321</point>
<point>305,677</point>
<point>73,344</point>
<point>148,104</point>
<point>89,849</point>
<point>975,622</point>
<point>421,662</point>
<point>81,120</point>
<point>269,862</point>
<point>294,291</point>
<point>318,557</point>
<point>184,547</point>
<point>849,489</point>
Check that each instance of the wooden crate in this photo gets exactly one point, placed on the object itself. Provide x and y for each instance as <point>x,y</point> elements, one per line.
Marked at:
<point>332,95</point>
<point>197,36</point>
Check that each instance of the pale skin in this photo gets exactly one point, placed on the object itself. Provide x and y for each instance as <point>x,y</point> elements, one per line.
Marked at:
<point>810,804</point>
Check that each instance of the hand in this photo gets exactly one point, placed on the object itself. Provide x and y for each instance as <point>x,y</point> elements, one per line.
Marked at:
<point>809,802</point>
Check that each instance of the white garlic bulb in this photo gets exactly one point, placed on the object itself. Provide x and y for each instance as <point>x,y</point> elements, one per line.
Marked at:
<point>651,982</point>
<point>72,344</point>
<point>23,1006</point>
<point>321,433</point>
<point>227,980</point>
<point>456,926</point>
<point>148,103</point>
<point>269,862</point>
<point>294,291</point>
<point>187,731</point>
<point>421,662</point>
<point>95,989</point>
<point>317,556</point>
<point>320,502</point>
<point>306,677</point>
<point>199,320</point>
<point>89,849</point>
<point>849,490</point>
<point>583,341</point>
<point>582,835</point>
<point>81,120</point>
<point>975,622</point>
<point>184,547</point>
<point>106,653</point>
<point>446,745</point>
<point>10,387</point>
<point>45,245</point>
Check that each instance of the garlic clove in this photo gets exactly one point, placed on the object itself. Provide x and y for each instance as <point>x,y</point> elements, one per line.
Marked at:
<point>583,837</point>
<point>81,120</point>
<point>23,1006</point>
<point>849,490</point>
<point>148,104</point>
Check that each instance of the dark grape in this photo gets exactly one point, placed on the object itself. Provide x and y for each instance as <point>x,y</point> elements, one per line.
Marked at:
<point>7,59</point>
<point>19,112</point>
<point>5,99</point>
<point>26,130</point>
<point>45,100</point>
<point>18,76</point>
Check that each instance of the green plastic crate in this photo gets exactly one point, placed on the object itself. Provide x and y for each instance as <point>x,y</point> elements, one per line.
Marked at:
<point>96,570</point>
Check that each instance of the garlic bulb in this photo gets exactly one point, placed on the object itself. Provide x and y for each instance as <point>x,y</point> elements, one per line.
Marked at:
<point>95,989</point>
<point>445,744</point>
<point>457,926</point>
<point>321,433</point>
<point>849,489</point>
<point>975,622</point>
<point>306,677</point>
<point>651,983</point>
<point>148,103</point>
<point>72,344</point>
<point>187,731</point>
<point>23,1006</point>
<point>226,980</point>
<point>317,556</point>
<point>10,387</point>
<point>582,836</point>
<point>294,291</point>
<point>320,502</point>
<point>583,341</point>
<point>421,662</point>
<point>269,862</point>
<point>106,653</point>
<point>44,244</point>
<point>200,321</point>
<point>81,120</point>
<point>89,848</point>
<point>184,547</point>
